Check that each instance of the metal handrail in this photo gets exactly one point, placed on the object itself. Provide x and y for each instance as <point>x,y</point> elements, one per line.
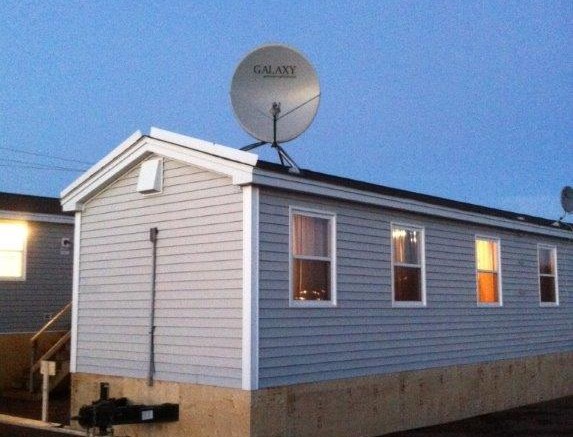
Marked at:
<point>52,351</point>
<point>34,344</point>
<point>53,320</point>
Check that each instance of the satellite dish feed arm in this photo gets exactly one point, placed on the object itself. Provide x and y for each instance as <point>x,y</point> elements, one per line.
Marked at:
<point>299,106</point>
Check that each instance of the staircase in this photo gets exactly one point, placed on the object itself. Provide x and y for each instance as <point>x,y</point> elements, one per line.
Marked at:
<point>29,386</point>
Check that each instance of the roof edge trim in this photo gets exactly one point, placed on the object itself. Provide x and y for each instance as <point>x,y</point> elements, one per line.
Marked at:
<point>307,186</point>
<point>36,217</point>
<point>134,137</point>
<point>205,146</point>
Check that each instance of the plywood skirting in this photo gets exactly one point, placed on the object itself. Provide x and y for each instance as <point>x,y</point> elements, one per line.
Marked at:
<point>366,406</point>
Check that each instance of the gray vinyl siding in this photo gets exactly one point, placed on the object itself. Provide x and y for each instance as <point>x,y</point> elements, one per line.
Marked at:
<point>25,305</point>
<point>365,335</point>
<point>199,279</point>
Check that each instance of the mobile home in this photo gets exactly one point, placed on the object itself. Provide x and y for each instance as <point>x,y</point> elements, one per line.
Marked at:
<point>278,304</point>
<point>36,239</point>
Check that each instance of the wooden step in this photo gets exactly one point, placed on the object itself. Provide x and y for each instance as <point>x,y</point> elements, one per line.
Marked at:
<point>21,394</point>
<point>62,371</point>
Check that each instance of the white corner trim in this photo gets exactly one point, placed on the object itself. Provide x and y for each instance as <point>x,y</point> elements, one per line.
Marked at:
<point>75,293</point>
<point>36,217</point>
<point>205,146</point>
<point>250,333</point>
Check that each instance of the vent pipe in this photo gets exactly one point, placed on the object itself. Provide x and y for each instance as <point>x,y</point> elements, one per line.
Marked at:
<point>151,369</point>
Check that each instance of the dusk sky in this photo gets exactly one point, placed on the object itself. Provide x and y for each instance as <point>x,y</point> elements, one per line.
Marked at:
<point>468,100</point>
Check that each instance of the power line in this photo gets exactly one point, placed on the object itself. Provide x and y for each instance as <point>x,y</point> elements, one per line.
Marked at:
<point>27,164</point>
<point>44,155</point>
<point>32,167</point>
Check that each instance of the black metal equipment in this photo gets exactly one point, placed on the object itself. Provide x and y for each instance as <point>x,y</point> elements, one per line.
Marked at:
<point>104,413</point>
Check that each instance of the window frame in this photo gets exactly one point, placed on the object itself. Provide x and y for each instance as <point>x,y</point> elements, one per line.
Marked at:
<point>24,254</point>
<point>497,240</point>
<point>403,303</point>
<point>553,250</point>
<point>331,217</point>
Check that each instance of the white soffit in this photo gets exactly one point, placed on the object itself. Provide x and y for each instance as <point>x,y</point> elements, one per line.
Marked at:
<point>205,147</point>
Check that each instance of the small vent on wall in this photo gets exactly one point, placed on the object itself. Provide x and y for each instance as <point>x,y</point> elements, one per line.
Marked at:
<point>150,177</point>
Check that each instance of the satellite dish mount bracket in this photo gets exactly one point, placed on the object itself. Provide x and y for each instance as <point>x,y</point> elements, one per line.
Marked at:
<point>284,157</point>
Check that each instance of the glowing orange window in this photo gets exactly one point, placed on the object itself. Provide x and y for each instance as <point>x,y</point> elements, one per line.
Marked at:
<point>487,266</point>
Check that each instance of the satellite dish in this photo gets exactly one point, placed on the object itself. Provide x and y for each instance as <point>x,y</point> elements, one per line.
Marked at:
<point>275,95</point>
<point>567,199</point>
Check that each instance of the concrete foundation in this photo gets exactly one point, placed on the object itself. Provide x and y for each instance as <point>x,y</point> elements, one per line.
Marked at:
<point>366,406</point>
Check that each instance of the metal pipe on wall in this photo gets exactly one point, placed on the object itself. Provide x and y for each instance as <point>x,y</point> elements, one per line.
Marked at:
<point>151,369</point>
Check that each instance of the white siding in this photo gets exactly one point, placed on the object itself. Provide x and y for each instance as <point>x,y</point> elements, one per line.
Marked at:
<point>365,335</point>
<point>199,278</point>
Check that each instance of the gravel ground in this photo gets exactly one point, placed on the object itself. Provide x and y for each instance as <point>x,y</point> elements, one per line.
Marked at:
<point>546,419</point>
<point>59,408</point>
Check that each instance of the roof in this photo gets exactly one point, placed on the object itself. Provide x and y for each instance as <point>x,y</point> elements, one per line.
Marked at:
<point>34,208</point>
<point>395,192</point>
<point>27,203</point>
<point>245,168</point>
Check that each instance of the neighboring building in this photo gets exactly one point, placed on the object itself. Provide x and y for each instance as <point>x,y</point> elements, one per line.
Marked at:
<point>307,304</point>
<point>36,263</point>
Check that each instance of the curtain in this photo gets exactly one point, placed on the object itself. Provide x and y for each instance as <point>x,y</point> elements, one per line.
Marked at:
<point>486,255</point>
<point>546,262</point>
<point>406,246</point>
<point>310,236</point>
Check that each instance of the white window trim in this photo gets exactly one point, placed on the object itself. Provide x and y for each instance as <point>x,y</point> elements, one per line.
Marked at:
<point>331,217</point>
<point>553,250</point>
<point>421,229</point>
<point>499,272</point>
<point>24,257</point>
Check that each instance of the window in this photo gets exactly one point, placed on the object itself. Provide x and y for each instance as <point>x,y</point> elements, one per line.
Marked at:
<point>408,282</point>
<point>547,259</point>
<point>312,246</point>
<point>488,271</point>
<point>13,250</point>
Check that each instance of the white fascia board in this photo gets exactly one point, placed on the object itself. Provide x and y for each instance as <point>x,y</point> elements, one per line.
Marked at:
<point>116,164</point>
<point>205,146</point>
<point>73,199</point>
<point>36,217</point>
<point>285,182</point>
<point>102,162</point>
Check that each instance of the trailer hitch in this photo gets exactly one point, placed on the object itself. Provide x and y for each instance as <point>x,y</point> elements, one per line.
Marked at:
<point>105,412</point>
